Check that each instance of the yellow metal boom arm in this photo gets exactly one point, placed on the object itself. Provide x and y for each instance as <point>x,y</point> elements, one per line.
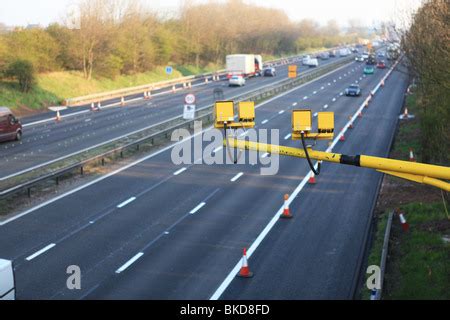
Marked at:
<point>418,172</point>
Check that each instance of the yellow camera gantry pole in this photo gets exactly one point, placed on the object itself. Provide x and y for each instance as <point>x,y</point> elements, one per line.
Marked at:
<point>302,125</point>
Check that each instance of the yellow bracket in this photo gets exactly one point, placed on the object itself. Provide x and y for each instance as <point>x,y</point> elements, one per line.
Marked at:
<point>418,172</point>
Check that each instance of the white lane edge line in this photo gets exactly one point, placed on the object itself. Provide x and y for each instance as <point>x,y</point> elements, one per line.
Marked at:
<point>236,177</point>
<point>129,262</point>
<point>197,208</point>
<point>123,204</point>
<point>180,171</point>
<point>38,253</point>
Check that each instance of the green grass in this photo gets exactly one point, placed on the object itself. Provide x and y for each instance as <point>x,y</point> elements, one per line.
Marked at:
<point>419,264</point>
<point>408,135</point>
<point>38,98</point>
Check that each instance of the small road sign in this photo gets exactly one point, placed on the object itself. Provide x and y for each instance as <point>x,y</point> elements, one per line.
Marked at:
<point>189,112</point>
<point>189,99</point>
<point>169,70</point>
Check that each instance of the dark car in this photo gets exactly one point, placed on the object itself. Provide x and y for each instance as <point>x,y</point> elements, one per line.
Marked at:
<point>371,60</point>
<point>269,72</point>
<point>353,90</point>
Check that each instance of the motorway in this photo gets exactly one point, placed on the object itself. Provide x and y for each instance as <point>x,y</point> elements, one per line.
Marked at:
<point>155,230</point>
<point>46,142</point>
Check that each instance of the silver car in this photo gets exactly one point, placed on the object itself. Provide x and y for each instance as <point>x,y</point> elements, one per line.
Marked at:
<point>236,81</point>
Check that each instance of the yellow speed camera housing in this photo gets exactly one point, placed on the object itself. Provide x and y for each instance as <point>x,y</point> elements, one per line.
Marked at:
<point>247,114</point>
<point>302,122</point>
<point>224,113</point>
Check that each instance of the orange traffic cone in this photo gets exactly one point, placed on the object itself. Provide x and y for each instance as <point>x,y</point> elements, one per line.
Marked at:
<point>405,225</point>
<point>122,101</point>
<point>360,114</point>
<point>312,178</point>
<point>351,123</point>
<point>342,137</point>
<point>382,83</point>
<point>411,156</point>
<point>93,107</point>
<point>58,116</point>
<point>99,105</point>
<point>174,89</point>
<point>286,212</point>
<point>405,113</point>
<point>245,270</point>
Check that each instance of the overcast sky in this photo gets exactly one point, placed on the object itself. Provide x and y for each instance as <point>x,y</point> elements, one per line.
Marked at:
<point>23,12</point>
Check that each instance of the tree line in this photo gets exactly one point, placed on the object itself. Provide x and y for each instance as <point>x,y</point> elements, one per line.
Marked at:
<point>107,38</point>
<point>427,48</point>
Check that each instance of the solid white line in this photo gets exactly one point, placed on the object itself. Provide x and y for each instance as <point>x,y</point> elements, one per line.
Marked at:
<point>281,112</point>
<point>197,208</point>
<point>264,121</point>
<point>123,204</point>
<point>288,136</point>
<point>129,262</point>
<point>156,153</point>
<point>224,285</point>
<point>179,171</point>
<point>236,177</point>
<point>38,253</point>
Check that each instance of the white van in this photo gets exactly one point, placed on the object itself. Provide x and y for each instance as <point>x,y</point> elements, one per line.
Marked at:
<point>305,59</point>
<point>7,284</point>
<point>313,63</point>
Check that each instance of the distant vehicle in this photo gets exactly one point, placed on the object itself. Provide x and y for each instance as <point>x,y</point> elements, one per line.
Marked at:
<point>7,287</point>
<point>269,72</point>
<point>245,65</point>
<point>369,70</point>
<point>381,54</point>
<point>355,50</point>
<point>305,59</point>
<point>381,64</point>
<point>393,52</point>
<point>313,63</point>
<point>359,58</point>
<point>371,60</point>
<point>324,56</point>
<point>365,55</point>
<point>332,53</point>
<point>236,81</point>
<point>353,90</point>
<point>344,52</point>
<point>10,126</point>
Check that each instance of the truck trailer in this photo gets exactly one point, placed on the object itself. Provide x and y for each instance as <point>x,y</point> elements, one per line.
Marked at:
<point>246,65</point>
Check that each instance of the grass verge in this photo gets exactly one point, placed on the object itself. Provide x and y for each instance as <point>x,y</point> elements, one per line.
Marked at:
<point>418,262</point>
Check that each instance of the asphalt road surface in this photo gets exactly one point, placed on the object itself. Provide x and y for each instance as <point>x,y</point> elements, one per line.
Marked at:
<point>46,142</point>
<point>156,230</point>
